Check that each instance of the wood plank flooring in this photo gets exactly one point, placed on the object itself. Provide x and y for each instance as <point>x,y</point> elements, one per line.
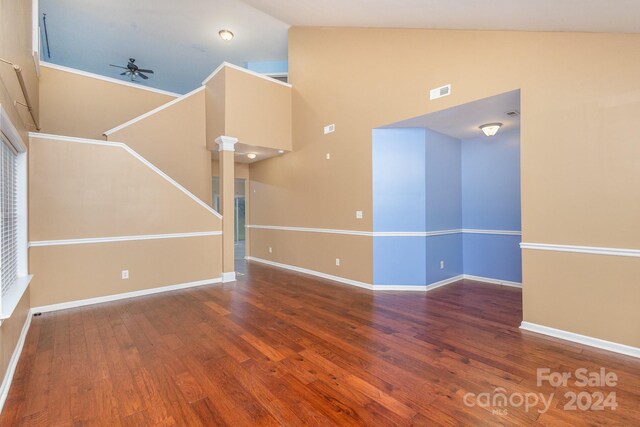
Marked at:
<point>279,348</point>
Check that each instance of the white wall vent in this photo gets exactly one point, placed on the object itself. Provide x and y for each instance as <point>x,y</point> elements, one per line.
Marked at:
<point>439,92</point>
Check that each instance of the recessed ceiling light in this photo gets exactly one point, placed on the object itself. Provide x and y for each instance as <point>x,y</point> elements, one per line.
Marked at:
<point>252,155</point>
<point>490,129</point>
<point>225,35</point>
<point>281,151</point>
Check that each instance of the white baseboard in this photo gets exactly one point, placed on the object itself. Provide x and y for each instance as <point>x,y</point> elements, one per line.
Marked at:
<point>13,363</point>
<point>492,281</point>
<point>423,288</point>
<point>312,273</point>
<point>419,288</point>
<point>115,297</point>
<point>229,277</point>
<point>581,339</point>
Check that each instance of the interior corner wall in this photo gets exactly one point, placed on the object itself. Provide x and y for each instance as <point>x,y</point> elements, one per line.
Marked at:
<point>416,189</point>
<point>443,195</point>
<point>491,205</point>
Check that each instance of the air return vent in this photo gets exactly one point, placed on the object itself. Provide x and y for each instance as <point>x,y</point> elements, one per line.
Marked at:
<point>439,92</point>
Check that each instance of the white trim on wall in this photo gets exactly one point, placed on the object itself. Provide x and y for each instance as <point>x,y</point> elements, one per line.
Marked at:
<point>489,280</point>
<point>581,339</point>
<point>132,152</point>
<point>229,276</point>
<point>125,295</point>
<point>594,250</point>
<point>495,232</point>
<point>106,79</point>
<point>244,70</point>
<point>415,233</point>
<point>312,273</point>
<point>387,233</point>
<point>152,112</point>
<point>63,242</point>
<point>369,286</point>
<point>312,230</point>
<point>13,362</point>
<point>423,288</point>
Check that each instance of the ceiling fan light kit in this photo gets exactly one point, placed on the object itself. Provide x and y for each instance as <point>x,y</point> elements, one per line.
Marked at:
<point>133,70</point>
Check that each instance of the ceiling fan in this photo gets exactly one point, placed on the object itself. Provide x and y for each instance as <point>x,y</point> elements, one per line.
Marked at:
<point>133,70</point>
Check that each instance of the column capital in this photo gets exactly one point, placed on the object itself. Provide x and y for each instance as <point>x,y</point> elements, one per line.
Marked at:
<point>226,143</point>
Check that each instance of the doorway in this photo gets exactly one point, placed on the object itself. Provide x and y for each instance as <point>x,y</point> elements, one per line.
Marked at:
<point>240,215</point>
<point>446,197</point>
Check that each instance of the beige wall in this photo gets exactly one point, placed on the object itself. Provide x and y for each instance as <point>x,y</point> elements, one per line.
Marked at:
<point>215,106</point>
<point>255,110</point>
<point>580,99</point>
<point>316,251</point>
<point>89,191</point>
<point>76,272</point>
<point>592,295</point>
<point>174,140</point>
<point>81,106</point>
<point>241,169</point>
<point>85,191</point>
<point>15,46</point>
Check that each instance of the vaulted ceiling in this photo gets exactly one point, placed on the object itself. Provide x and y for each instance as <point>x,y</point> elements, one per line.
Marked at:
<point>179,40</point>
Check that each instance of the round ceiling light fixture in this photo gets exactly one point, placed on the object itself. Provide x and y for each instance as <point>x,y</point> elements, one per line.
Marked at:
<point>281,151</point>
<point>252,155</point>
<point>490,129</point>
<point>225,35</point>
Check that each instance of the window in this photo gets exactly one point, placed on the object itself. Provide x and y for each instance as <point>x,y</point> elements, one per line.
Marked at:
<point>9,212</point>
<point>14,277</point>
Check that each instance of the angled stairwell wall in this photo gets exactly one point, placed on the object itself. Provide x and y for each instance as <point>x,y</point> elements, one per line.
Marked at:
<point>76,103</point>
<point>97,208</point>
<point>173,138</point>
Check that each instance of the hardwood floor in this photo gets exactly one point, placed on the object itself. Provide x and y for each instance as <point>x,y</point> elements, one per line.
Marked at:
<point>279,348</point>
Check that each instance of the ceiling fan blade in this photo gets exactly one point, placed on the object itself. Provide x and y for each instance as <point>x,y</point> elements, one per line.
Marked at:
<point>145,71</point>
<point>142,75</point>
<point>122,74</point>
<point>118,66</point>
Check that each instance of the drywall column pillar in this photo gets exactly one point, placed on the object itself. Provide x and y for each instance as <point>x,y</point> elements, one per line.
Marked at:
<point>226,148</point>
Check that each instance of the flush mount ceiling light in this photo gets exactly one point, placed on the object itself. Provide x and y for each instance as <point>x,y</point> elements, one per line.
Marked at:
<point>252,155</point>
<point>281,151</point>
<point>490,129</point>
<point>225,35</point>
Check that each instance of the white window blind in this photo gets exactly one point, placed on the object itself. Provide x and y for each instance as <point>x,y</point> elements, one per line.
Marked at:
<point>9,220</point>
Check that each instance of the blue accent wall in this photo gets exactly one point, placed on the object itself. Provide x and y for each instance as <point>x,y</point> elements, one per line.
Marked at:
<point>399,260</point>
<point>398,179</point>
<point>443,179</point>
<point>447,248</point>
<point>425,181</point>
<point>493,256</point>
<point>491,182</point>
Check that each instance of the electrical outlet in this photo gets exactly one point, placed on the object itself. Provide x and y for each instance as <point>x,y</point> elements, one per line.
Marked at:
<point>328,156</point>
<point>358,214</point>
<point>125,274</point>
<point>441,265</point>
<point>329,129</point>
<point>270,250</point>
<point>338,262</point>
